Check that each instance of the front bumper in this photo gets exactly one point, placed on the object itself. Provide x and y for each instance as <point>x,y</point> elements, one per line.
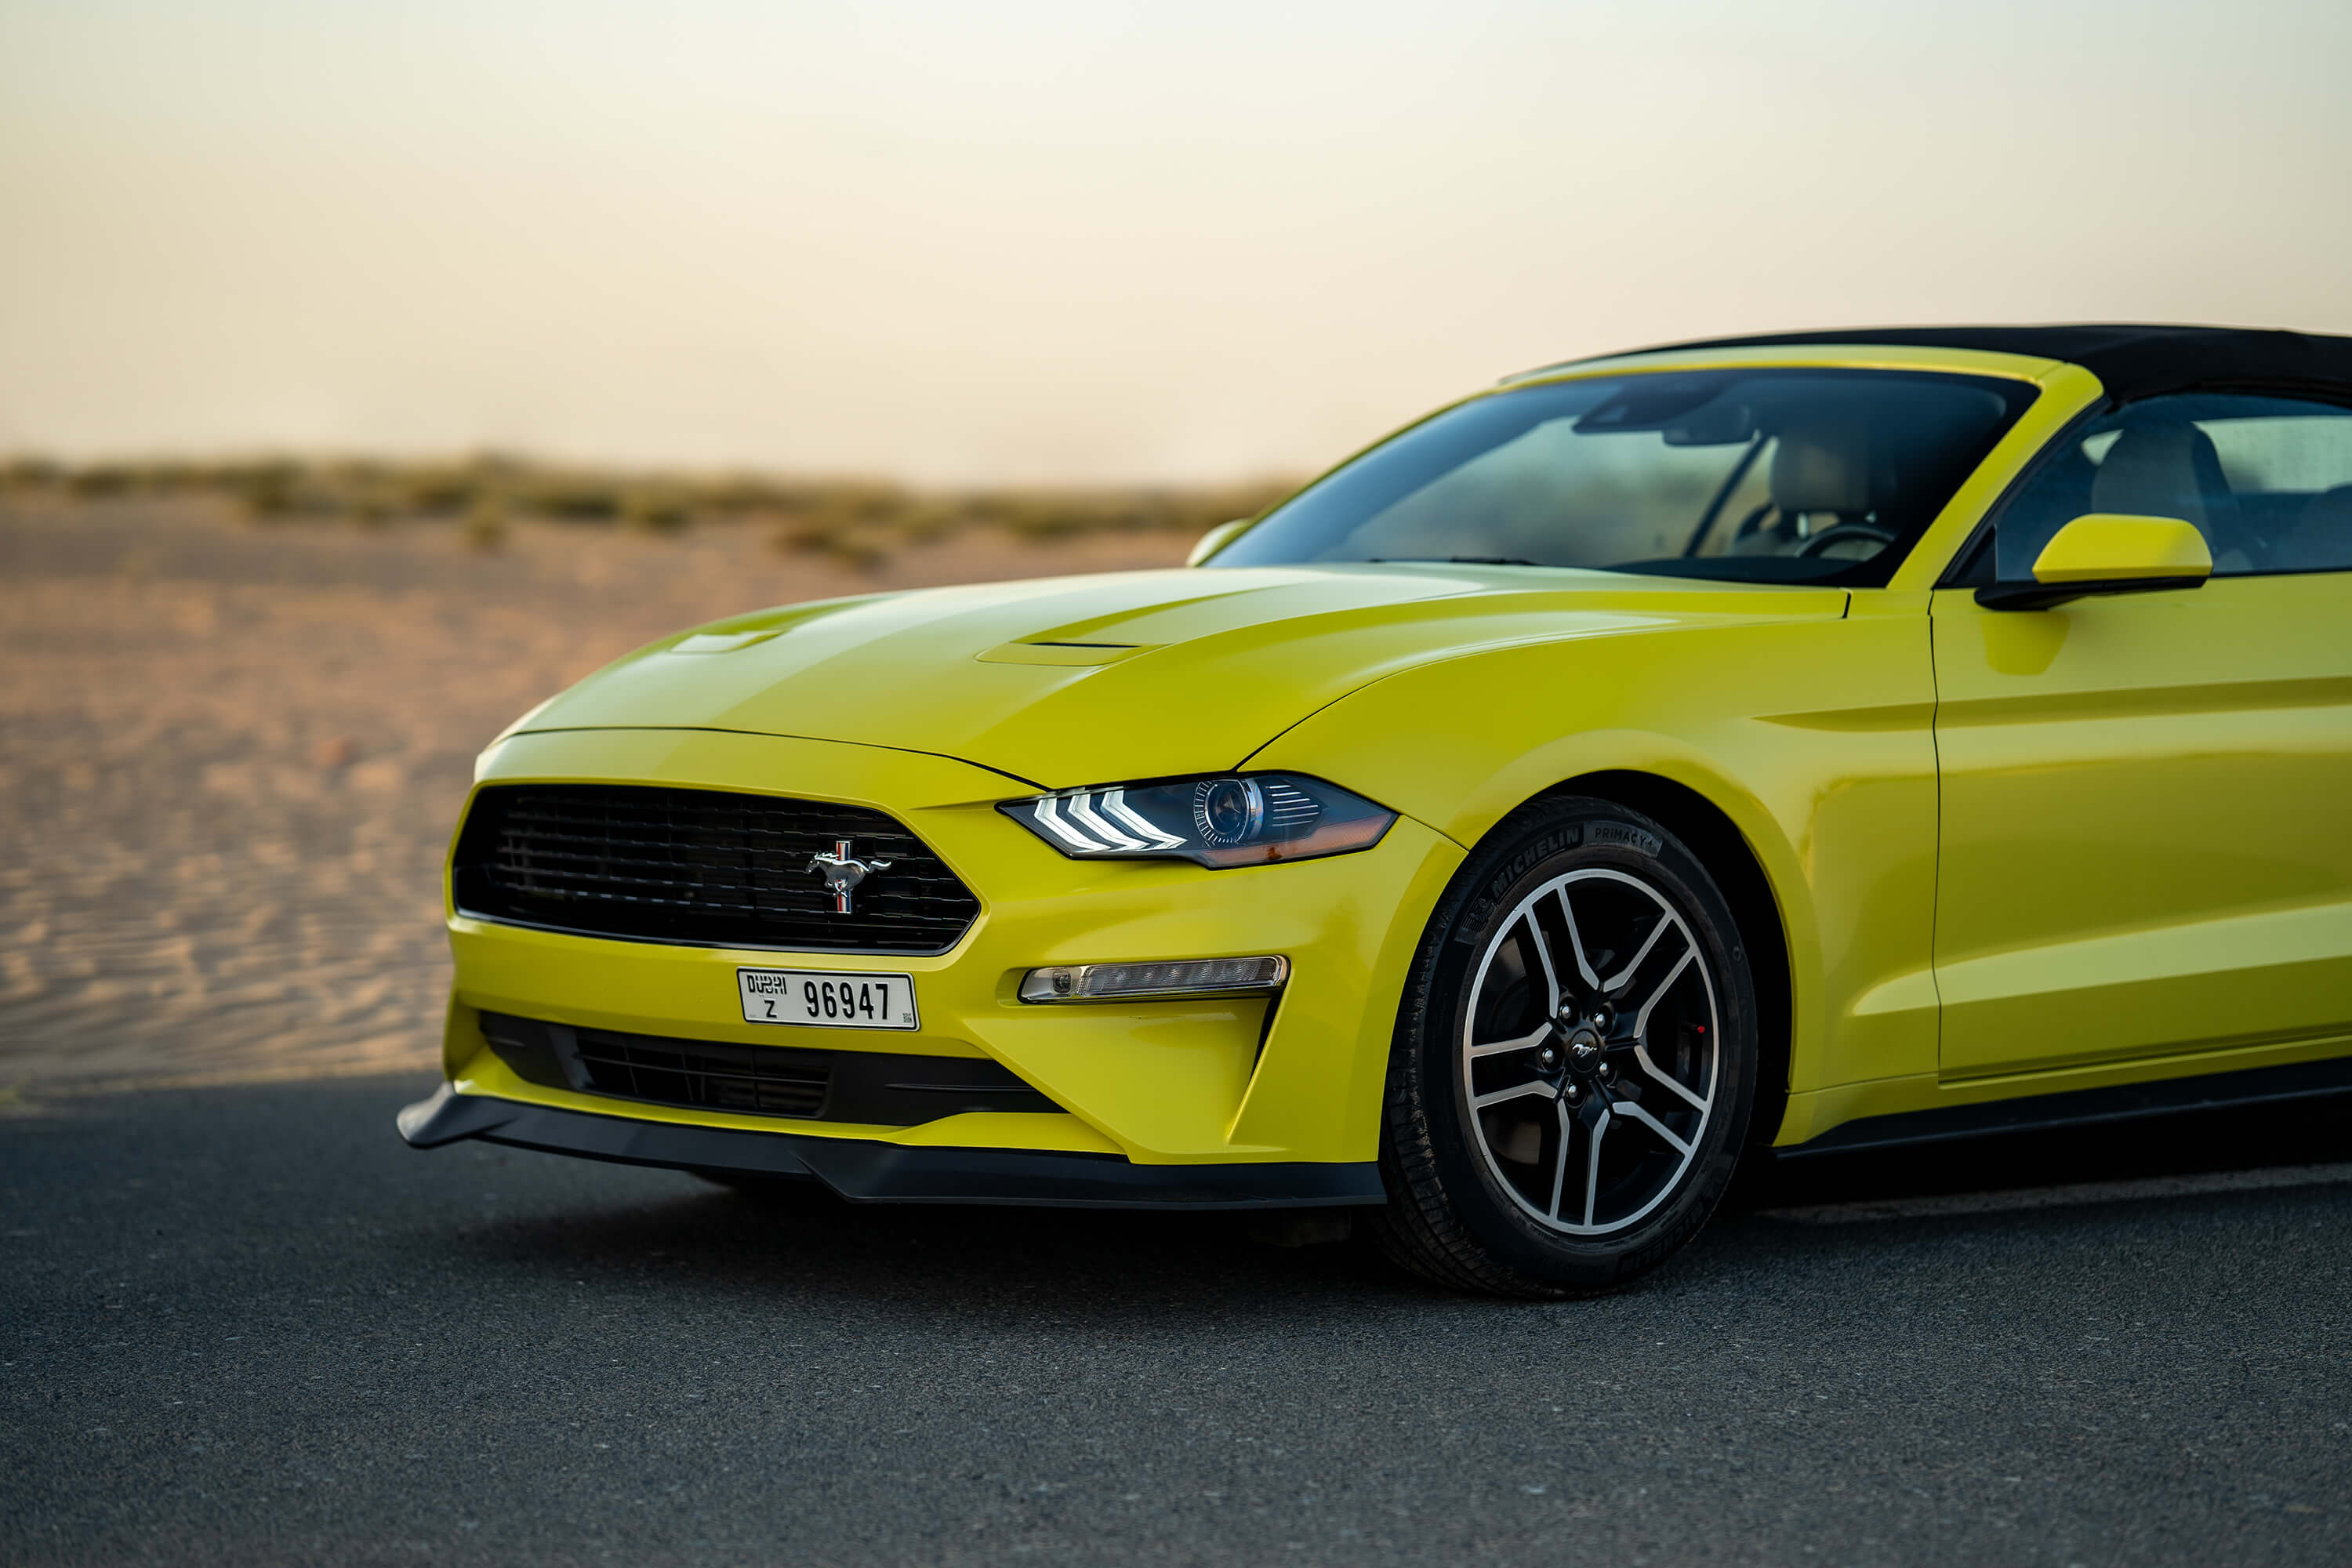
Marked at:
<point>863,1170</point>
<point>1174,1087</point>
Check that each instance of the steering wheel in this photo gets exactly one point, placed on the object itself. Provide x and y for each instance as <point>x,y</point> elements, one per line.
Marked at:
<point>1836,531</point>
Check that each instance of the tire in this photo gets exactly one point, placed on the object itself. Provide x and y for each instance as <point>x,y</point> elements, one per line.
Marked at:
<point>1502,1102</point>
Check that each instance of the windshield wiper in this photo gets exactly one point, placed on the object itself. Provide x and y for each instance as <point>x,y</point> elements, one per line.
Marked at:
<point>1451,559</point>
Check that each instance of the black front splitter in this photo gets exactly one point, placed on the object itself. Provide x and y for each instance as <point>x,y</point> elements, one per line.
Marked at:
<point>863,1170</point>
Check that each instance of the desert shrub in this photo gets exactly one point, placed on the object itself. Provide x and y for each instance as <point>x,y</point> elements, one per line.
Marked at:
<point>486,524</point>
<point>33,473</point>
<point>656,510</point>
<point>570,498</point>
<point>862,548</point>
<point>1059,514</point>
<point>101,480</point>
<point>741,495</point>
<point>268,490</point>
<point>859,522</point>
<point>439,492</point>
<point>927,521</point>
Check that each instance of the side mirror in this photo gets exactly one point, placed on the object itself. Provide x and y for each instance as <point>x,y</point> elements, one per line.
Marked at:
<point>2108,553</point>
<point>1216,538</point>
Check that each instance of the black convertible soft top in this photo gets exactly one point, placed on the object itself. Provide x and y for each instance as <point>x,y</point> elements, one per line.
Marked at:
<point>2130,361</point>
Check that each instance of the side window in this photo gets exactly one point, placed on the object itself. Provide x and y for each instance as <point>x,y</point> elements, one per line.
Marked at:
<point>2267,480</point>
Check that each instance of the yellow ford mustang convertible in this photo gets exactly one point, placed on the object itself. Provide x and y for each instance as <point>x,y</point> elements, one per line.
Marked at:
<point>1802,744</point>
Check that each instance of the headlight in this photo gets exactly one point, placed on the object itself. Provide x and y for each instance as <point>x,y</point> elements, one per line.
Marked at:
<point>1229,820</point>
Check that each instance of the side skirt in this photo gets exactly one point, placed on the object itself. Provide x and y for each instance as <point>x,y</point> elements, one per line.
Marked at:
<point>867,1171</point>
<point>2083,1107</point>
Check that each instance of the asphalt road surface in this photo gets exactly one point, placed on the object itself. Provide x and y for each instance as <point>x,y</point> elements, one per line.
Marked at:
<point>248,1326</point>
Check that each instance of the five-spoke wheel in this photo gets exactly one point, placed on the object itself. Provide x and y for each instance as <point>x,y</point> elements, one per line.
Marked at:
<point>1588,1054</point>
<point>1575,1061</point>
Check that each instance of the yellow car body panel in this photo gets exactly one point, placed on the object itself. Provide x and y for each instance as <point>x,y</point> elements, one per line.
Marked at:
<point>2131,786</point>
<point>2089,548</point>
<point>1811,730</point>
<point>1958,814</point>
<point>1173,1081</point>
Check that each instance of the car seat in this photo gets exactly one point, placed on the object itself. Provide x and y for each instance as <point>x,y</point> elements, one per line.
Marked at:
<point>2321,539</point>
<point>2171,470</point>
<point>1820,470</point>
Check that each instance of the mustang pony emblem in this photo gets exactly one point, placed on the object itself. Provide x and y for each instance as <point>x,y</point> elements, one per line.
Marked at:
<point>842,873</point>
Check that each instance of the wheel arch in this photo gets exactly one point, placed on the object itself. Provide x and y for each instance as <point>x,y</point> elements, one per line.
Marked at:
<point>1732,860</point>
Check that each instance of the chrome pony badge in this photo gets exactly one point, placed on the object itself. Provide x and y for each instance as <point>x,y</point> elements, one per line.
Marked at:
<point>842,873</point>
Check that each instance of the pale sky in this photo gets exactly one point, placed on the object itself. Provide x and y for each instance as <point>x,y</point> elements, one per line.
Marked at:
<point>1035,240</point>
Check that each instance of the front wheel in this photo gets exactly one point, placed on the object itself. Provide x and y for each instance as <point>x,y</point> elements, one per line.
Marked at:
<point>1575,1059</point>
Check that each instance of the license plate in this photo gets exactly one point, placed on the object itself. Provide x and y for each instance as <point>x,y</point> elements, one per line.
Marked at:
<point>828,998</point>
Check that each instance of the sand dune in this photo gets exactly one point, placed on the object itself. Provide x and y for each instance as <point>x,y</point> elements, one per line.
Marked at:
<point>230,758</point>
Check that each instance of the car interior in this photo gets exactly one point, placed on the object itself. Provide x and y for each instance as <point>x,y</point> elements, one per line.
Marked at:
<point>2173,467</point>
<point>1825,487</point>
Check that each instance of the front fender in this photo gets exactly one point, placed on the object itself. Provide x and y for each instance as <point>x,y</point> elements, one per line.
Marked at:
<point>1812,735</point>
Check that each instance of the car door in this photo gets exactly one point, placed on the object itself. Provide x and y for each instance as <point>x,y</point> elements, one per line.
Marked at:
<point>2146,819</point>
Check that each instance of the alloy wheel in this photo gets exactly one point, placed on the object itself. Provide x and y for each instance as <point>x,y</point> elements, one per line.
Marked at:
<point>1589,1051</point>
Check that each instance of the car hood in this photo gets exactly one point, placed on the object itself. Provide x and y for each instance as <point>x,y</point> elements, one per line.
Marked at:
<point>1074,680</point>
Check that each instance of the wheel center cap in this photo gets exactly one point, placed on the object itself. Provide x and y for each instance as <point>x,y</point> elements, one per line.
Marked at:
<point>1584,1051</point>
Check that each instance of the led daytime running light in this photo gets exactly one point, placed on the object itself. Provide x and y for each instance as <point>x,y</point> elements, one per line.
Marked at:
<point>1181,977</point>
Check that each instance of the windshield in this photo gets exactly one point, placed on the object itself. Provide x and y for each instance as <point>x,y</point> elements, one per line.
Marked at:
<point>1762,476</point>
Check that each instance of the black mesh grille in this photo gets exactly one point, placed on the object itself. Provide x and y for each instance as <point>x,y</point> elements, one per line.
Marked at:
<point>880,1087</point>
<point>703,867</point>
<point>724,1078</point>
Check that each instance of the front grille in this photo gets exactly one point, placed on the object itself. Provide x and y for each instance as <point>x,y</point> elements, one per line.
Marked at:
<point>881,1088</point>
<point>680,1072</point>
<point>703,867</point>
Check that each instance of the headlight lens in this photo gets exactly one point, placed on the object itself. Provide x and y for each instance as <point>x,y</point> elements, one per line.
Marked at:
<point>1232,819</point>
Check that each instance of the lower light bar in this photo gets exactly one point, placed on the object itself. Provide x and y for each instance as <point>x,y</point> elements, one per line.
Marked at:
<point>1185,977</point>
